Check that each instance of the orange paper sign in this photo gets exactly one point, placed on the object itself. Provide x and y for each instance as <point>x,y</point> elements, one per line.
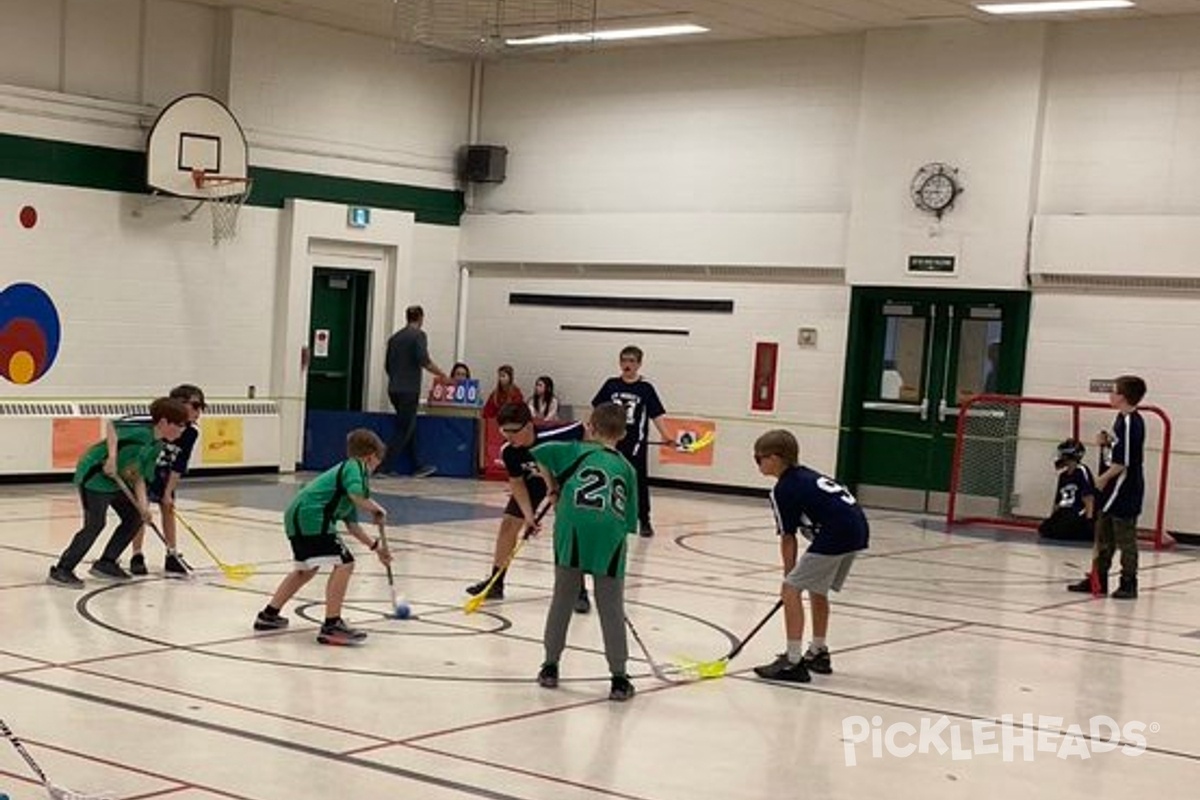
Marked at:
<point>72,436</point>
<point>685,431</point>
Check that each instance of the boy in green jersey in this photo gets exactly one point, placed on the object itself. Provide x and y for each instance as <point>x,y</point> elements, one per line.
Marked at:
<point>597,508</point>
<point>129,451</point>
<point>336,495</point>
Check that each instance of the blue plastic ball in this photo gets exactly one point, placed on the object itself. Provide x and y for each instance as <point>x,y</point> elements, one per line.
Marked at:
<point>403,611</point>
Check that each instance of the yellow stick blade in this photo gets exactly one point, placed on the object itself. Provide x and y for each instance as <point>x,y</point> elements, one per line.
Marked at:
<point>472,605</point>
<point>238,572</point>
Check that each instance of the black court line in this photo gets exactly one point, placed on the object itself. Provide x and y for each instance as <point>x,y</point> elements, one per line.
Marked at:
<point>271,741</point>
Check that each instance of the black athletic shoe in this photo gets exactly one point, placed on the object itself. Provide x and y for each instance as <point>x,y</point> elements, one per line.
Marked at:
<point>548,676</point>
<point>270,622</point>
<point>137,565</point>
<point>495,593</point>
<point>818,662</point>
<point>110,570</point>
<point>620,689</point>
<point>1127,590</point>
<point>783,670</point>
<point>340,633</point>
<point>646,530</point>
<point>174,565</point>
<point>1085,586</point>
<point>582,603</point>
<point>64,578</point>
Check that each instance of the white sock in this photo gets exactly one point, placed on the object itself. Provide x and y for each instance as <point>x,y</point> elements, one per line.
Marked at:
<point>795,650</point>
<point>818,644</point>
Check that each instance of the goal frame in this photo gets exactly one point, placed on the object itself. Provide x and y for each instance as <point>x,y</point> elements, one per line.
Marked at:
<point>1156,533</point>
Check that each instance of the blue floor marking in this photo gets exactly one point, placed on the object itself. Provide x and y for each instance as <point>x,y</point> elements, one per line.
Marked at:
<point>402,509</point>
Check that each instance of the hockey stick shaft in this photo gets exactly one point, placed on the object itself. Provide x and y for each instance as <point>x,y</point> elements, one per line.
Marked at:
<point>472,605</point>
<point>753,631</point>
<point>129,495</point>
<point>654,666</point>
<point>20,748</point>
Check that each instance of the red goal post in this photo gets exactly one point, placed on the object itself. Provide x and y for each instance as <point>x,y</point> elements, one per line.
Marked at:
<point>1004,448</point>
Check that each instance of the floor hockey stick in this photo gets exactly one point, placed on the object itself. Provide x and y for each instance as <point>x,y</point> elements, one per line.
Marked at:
<point>400,609</point>
<point>473,604</point>
<point>56,792</point>
<point>149,520</point>
<point>235,572</point>
<point>716,669</point>
<point>658,671</point>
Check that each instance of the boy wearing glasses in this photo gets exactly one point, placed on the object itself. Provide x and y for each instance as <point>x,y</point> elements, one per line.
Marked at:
<point>172,465</point>
<point>826,514</point>
<point>527,487</point>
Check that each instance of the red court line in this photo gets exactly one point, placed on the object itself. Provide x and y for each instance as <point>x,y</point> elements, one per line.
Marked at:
<point>541,776</point>
<point>229,704</point>
<point>160,793</point>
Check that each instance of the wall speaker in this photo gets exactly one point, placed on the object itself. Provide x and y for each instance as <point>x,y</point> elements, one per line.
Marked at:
<point>482,163</point>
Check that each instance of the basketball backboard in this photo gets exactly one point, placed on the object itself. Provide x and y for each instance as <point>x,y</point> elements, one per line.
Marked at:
<point>196,132</point>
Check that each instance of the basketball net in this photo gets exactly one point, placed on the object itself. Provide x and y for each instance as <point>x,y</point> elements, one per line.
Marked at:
<point>227,195</point>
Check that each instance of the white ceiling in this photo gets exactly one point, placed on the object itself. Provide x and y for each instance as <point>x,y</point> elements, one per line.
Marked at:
<point>467,26</point>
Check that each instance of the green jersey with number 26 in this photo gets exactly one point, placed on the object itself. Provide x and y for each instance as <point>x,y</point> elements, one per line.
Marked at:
<point>597,506</point>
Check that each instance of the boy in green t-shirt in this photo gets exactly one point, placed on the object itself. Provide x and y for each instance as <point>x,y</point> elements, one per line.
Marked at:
<point>597,508</point>
<point>337,494</point>
<point>130,451</point>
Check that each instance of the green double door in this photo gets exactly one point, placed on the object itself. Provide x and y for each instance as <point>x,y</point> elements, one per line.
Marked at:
<point>337,339</point>
<point>913,357</point>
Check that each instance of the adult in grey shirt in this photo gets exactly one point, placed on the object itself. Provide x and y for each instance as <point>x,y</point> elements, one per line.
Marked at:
<point>407,356</point>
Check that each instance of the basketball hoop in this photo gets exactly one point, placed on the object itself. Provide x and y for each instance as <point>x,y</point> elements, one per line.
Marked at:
<point>226,194</point>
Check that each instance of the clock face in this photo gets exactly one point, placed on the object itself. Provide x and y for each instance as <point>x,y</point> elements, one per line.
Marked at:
<point>935,187</point>
<point>938,192</point>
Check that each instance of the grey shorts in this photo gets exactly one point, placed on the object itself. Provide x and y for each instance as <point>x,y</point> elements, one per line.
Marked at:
<point>819,573</point>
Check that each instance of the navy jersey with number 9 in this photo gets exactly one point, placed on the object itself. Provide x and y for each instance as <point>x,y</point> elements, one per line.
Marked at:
<point>820,509</point>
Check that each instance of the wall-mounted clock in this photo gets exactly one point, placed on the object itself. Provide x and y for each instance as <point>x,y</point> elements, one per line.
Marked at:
<point>935,187</point>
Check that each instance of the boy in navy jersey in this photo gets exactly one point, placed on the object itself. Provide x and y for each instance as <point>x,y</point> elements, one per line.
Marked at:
<point>172,465</point>
<point>826,514</point>
<point>1074,499</point>
<point>641,403</point>
<point>1121,485</point>
<point>527,488</point>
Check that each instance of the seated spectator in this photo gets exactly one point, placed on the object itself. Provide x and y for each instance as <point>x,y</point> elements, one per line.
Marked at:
<point>460,372</point>
<point>543,404</point>
<point>506,392</point>
<point>1074,500</point>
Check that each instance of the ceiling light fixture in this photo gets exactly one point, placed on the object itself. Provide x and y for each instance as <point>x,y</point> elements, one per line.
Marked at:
<point>607,36</point>
<point>1054,7</point>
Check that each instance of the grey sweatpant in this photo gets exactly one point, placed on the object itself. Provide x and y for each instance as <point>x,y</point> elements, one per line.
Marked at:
<point>610,606</point>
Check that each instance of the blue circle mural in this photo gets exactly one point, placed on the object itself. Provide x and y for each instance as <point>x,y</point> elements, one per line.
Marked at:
<point>29,333</point>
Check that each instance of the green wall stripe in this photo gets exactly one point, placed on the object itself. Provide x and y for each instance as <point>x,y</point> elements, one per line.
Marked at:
<point>25,158</point>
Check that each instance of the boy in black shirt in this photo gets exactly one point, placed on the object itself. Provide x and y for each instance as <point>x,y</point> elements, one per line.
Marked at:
<point>642,405</point>
<point>1074,500</point>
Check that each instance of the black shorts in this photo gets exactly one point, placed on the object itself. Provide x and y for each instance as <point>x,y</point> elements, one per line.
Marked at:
<point>1067,526</point>
<point>537,493</point>
<point>314,552</point>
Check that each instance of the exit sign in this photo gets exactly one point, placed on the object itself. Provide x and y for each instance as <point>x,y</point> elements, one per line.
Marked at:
<point>928,264</point>
<point>358,217</point>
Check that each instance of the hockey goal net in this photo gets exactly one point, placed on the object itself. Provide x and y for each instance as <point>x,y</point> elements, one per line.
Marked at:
<point>1003,469</point>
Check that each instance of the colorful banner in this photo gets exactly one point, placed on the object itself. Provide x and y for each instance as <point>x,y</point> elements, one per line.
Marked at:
<point>686,431</point>
<point>72,436</point>
<point>221,440</point>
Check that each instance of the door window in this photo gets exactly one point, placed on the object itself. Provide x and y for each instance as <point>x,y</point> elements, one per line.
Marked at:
<point>978,358</point>
<point>903,355</point>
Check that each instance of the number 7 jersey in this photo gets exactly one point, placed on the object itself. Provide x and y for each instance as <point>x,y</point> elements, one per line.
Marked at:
<point>596,508</point>
<point>821,510</point>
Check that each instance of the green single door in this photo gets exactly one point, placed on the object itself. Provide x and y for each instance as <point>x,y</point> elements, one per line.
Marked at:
<point>337,339</point>
<point>914,356</point>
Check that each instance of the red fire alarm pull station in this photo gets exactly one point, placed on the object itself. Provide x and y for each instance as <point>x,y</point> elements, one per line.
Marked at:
<point>766,369</point>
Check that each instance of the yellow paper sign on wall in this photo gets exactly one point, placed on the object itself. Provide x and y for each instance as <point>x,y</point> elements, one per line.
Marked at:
<point>221,440</point>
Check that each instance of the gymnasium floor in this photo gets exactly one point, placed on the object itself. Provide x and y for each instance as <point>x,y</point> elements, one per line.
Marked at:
<point>160,688</point>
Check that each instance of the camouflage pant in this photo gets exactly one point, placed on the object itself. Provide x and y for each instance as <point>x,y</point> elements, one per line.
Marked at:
<point>1112,533</point>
